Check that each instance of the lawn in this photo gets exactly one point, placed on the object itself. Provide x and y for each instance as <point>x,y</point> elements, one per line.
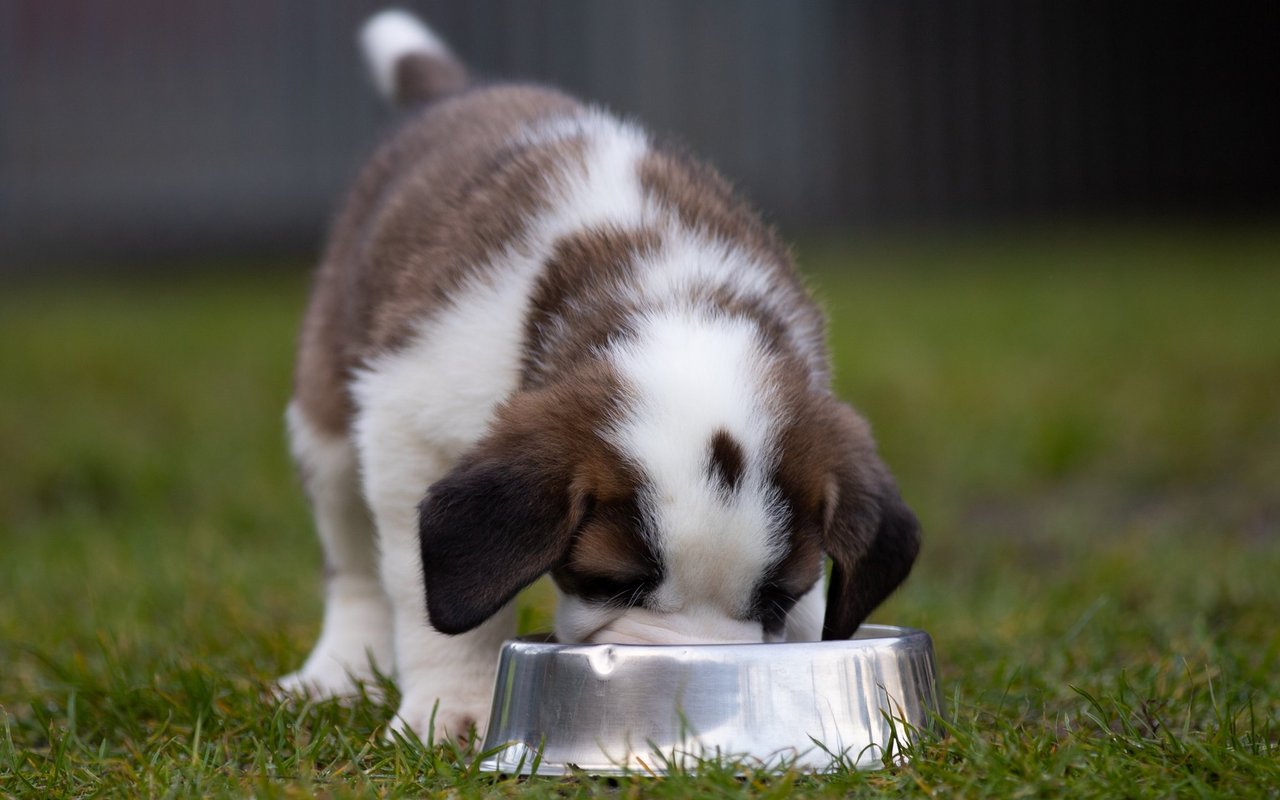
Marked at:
<point>1086,421</point>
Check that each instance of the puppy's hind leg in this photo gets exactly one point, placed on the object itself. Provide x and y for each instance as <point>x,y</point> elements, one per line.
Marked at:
<point>355,639</point>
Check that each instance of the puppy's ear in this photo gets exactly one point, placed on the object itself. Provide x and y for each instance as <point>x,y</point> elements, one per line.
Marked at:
<point>501,518</point>
<point>870,534</point>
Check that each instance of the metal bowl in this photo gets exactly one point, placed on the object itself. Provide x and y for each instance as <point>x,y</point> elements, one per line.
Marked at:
<point>613,708</point>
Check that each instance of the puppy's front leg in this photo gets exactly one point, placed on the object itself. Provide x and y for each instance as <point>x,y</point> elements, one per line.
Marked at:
<point>457,672</point>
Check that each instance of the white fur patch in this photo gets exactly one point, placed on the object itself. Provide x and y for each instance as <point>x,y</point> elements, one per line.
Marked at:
<point>690,376</point>
<point>443,387</point>
<point>390,35</point>
<point>605,188</point>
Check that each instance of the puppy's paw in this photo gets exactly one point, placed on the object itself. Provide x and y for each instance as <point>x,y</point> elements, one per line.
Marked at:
<point>458,716</point>
<point>325,680</point>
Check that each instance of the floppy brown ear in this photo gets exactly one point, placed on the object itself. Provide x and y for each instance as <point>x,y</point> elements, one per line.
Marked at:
<point>871,535</point>
<point>501,518</point>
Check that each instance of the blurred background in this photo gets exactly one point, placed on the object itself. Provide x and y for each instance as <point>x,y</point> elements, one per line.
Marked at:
<point>153,128</point>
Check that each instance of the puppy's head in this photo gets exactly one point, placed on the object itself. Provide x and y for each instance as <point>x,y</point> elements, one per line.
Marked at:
<point>662,527</point>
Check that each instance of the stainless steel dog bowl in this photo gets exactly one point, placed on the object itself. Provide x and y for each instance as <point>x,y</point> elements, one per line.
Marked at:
<point>609,709</point>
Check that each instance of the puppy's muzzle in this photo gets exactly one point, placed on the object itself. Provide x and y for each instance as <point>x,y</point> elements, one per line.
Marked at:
<point>640,626</point>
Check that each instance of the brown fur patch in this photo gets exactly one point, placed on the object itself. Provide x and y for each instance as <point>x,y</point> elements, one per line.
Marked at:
<point>578,304</point>
<point>703,200</point>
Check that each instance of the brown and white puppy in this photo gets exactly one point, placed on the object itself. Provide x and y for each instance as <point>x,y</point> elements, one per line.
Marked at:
<point>591,359</point>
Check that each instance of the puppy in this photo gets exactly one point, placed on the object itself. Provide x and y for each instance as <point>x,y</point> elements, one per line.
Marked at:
<point>540,343</point>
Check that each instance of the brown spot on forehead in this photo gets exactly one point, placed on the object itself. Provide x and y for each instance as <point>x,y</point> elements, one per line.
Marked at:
<point>728,461</point>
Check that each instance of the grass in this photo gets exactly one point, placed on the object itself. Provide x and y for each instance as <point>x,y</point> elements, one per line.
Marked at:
<point>1087,423</point>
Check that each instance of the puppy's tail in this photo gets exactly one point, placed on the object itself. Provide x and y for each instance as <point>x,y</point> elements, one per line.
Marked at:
<point>411,65</point>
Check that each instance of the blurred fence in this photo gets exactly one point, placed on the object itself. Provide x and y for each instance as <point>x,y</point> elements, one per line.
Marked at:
<point>146,127</point>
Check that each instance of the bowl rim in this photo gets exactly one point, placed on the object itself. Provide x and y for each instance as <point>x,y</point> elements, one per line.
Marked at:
<point>867,636</point>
